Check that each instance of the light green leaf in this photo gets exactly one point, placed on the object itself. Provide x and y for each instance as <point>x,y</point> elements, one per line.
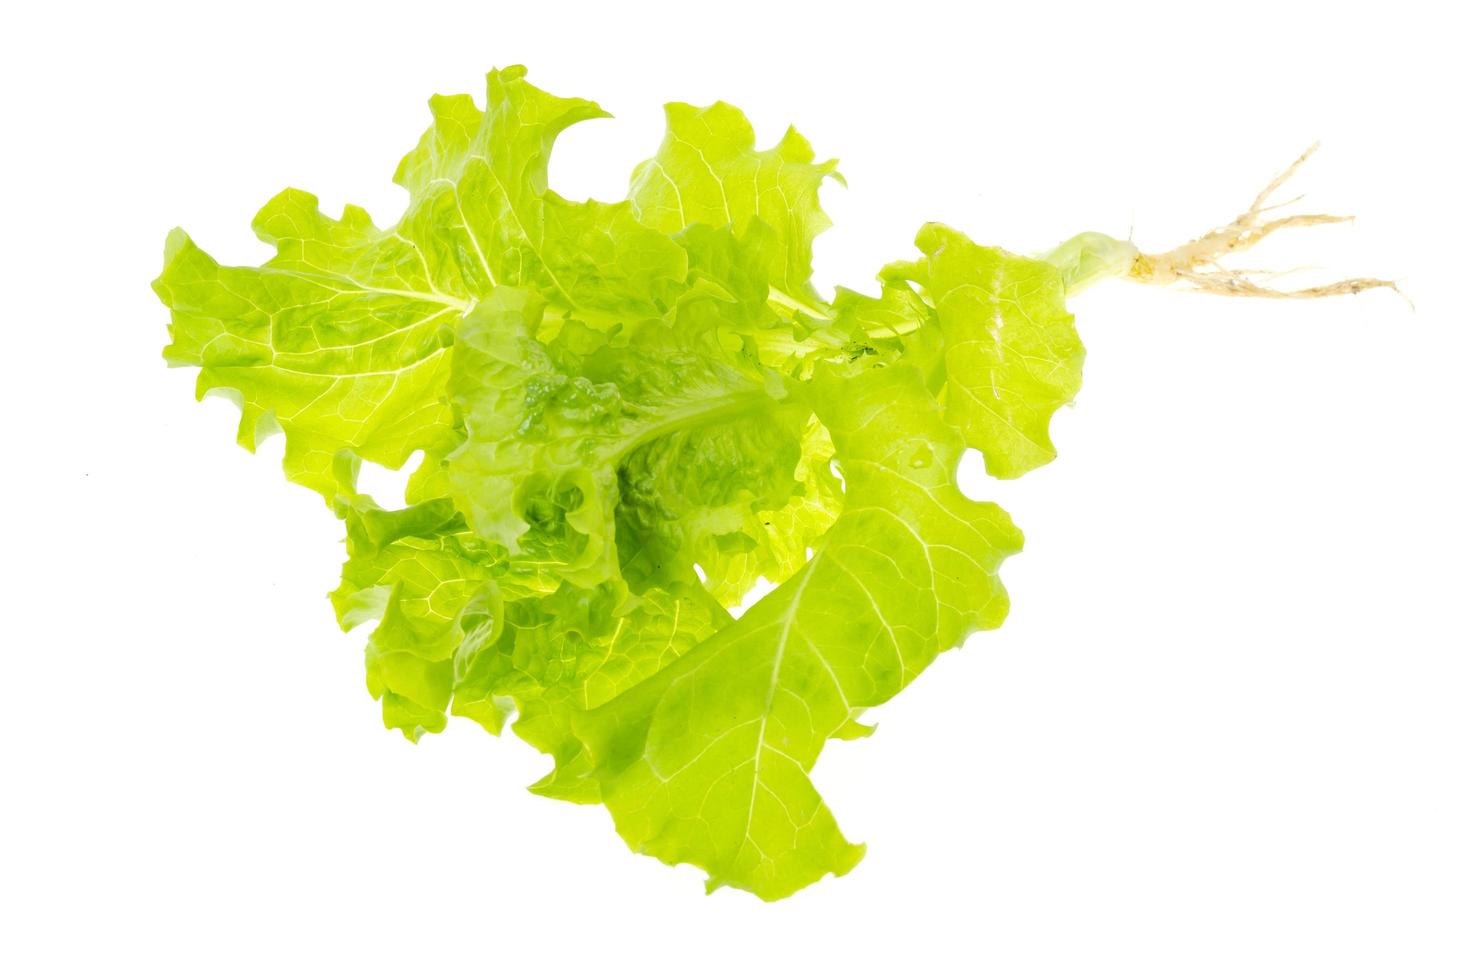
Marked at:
<point>631,413</point>
<point>773,542</point>
<point>341,339</point>
<point>575,649</point>
<point>708,171</point>
<point>466,631</point>
<point>666,424</point>
<point>1011,355</point>
<point>416,571</point>
<point>337,365</point>
<point>481,202</point>
<point>706,762</point>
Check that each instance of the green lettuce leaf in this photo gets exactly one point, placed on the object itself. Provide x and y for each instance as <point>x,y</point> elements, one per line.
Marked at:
<point>419,572</point>
<point>773,542</point>
<point>665,423</point>
<point>341,339</point>
<point>706,762</point>
<point>632,414</point>
<point>352,361</point>
<point>481,201</point>
<point>466,631</point>
<point>558,655</point>
<point>1011,357</point>
<point>708,172</point>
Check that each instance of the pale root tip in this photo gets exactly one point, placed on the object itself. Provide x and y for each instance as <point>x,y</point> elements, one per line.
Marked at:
<point>1198,264</point>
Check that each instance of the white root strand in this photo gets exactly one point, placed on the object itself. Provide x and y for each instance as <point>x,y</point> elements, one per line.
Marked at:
<point>1198,263</point>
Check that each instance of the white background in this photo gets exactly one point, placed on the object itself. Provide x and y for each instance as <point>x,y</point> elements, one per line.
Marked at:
<point>1229,730</point>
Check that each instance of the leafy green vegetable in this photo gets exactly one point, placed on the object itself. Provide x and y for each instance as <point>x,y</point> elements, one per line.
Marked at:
<point>707,761</point>
<point>632,414</point>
